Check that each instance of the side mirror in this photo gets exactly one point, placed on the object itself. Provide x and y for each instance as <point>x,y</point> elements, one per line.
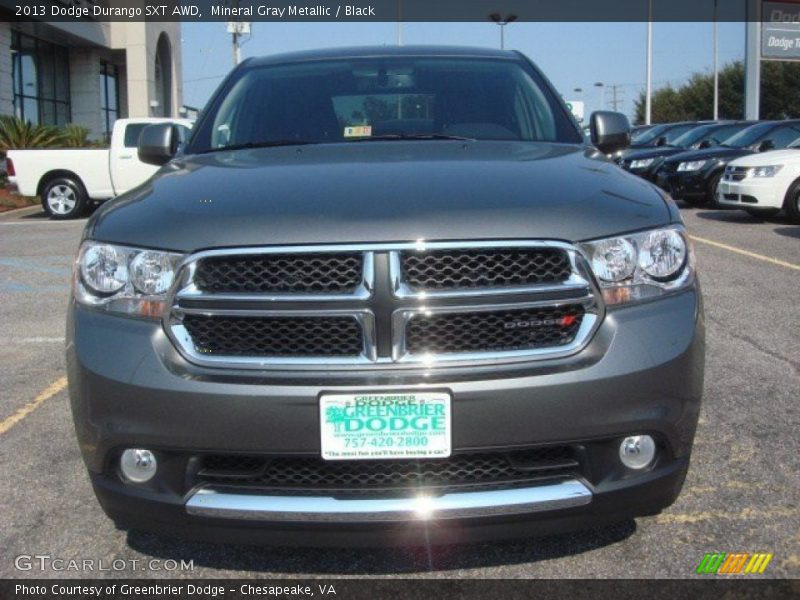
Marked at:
<point>661,141</point>
<point>704,144</point>
<point>158,143</point>
<point>766,145</point>
<point>610,131</point>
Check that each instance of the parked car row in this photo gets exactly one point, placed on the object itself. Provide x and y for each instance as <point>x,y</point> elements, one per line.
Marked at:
<point>754,166</point>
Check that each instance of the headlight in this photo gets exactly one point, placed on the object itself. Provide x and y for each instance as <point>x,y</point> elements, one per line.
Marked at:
<point>642,265</point>
<point>769,171</point>
<point>125,280</point>
<point>642,163</point>
<point>692,165</point>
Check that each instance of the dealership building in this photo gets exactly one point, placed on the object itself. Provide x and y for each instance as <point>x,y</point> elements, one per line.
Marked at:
<point>89,73</point>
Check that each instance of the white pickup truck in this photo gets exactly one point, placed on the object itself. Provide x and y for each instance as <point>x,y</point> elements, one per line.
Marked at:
<point>69,180</point>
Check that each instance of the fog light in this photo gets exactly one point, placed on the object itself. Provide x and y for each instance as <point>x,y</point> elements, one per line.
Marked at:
<point>637,451</point>
<point>138,465</point>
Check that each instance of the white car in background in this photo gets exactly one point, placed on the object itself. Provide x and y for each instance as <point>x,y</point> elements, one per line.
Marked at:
<point>763,184</point>
<point>69,180</point>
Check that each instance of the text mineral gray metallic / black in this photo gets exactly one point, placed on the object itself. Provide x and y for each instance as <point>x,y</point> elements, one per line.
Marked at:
<point>385,296</point>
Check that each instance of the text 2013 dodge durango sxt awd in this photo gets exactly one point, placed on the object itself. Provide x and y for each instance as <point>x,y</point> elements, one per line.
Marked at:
<point>385,295</point>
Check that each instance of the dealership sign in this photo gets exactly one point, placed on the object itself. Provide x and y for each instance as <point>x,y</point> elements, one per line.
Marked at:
<point>780,30</point>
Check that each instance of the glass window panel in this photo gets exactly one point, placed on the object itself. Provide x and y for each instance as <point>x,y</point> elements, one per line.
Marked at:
<point>15,72</point>
<point>47,76</point>
<point>132,133</point>
<point>28,72</point>
<point>62,75</point>
<point>40,73</point>
<point>30,110</point>
<point>112,92</point>
<point>62,113</point>
<point>103,95</point>
<point>48,112</point>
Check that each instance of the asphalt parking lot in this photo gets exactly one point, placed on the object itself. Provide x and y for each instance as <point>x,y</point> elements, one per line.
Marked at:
<point>742,492</point>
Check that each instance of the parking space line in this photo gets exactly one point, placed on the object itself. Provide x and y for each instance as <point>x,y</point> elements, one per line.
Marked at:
<point>37,340</point>
<point>49,392</point>
<point>775,261</point>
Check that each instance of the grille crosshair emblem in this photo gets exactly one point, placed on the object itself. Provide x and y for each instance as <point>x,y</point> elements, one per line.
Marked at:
<point>387,299</point>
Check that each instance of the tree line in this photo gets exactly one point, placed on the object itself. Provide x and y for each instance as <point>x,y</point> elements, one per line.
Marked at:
<point>694,101</point>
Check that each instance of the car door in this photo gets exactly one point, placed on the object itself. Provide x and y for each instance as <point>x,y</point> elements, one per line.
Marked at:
<point>127,171</point>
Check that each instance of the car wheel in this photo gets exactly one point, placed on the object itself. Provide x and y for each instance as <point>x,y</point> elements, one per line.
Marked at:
<point>792,202</point>
<point>64,198</point>
<point>713,187</point>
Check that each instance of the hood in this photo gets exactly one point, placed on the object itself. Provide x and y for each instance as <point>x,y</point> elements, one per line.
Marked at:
<point>773,157</point>
<point>720,153</point>
<point>386,191</point>
<point>658,152</point>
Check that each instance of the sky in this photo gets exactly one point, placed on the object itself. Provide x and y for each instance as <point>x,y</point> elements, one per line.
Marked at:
<point>572,55</point>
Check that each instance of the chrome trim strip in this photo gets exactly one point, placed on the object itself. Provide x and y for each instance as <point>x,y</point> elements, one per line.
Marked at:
<point>401,317</point>
<point>211,503</point>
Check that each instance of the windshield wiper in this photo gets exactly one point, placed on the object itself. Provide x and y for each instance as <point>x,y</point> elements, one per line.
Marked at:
<point>414,136</point>
<point>266,144</point>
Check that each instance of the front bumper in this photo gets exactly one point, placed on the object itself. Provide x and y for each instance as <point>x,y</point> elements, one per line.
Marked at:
<point>751,193</point>
<point>686,184</point>
<point>641,373</point>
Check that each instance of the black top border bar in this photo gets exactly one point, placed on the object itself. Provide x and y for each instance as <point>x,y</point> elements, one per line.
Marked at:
<point>399,10</point>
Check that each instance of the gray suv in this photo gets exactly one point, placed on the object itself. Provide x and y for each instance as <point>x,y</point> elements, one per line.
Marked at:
<point>385,295</point>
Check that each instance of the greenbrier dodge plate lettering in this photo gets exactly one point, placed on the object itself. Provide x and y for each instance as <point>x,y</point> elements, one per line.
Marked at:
<point>385,426</point>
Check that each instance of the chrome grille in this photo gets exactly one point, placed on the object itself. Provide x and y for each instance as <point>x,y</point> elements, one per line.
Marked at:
<point>493,331</point>
<point>275,336</point>
<point>388,305</point>
<point>735,173</point>
<point>457,269</point>
<point>334,273</point>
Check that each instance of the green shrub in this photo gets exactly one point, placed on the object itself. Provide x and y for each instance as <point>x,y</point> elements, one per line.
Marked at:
<point>16,134</point>
<point>75,136</point>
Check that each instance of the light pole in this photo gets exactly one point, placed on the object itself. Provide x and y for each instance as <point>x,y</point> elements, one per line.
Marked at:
<point>502,22</point>
<point>399,23</point>
<point>648,106</point>
<point>716,65</point>
<point>599,85</point>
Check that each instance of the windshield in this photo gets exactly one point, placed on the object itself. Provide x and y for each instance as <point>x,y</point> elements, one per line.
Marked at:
<point>693,136</point>
<point>749,136</point>
<point>357,100</point>
<point>648,135</point>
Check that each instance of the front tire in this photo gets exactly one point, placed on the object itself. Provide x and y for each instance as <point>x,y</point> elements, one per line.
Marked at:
<point>64,198</point>
<point>792,202</point>
<point>713,188</point>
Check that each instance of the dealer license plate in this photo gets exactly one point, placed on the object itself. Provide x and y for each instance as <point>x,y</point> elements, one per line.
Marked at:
<point>385,426</point>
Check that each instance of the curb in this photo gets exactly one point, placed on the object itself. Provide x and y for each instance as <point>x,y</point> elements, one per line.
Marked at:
<point>20,212</point>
